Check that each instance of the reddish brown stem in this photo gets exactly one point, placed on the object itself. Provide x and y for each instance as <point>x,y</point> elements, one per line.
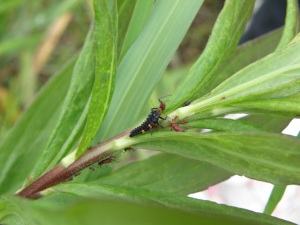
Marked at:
<point>60,174</point>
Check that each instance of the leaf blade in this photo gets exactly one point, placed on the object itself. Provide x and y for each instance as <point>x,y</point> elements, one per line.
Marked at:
<point>226,214</point>
<point>166,172</point>
<point>105,37</point>
<point>222,124</point>
<point>32,132</point>
<point>291,24</point>
<point>223,41</point>
<point>275,197</point>
<point>139,17</point>
<point>244,55</point>
<point>256,155</point>
<point>288,106</point>
<point>64,135</point>
<point>273,77</point>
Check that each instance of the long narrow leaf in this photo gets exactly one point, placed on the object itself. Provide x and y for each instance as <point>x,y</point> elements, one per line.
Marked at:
<point>280,69</point>
<point>140,15</point>
<point>223,41</point>
<point>274,199</point>
<point>291,24</point>
<point>169,173</point>
<point>272,123</point>
<point>275,76</point>
<point>222,124</point>
<point>288,106</point>
<point>18,44</point>
<point>61,140</point>
<point>32,132</point>
<point>290,31</point>
<point>263,156</point>
<point>222,214</point>
<point>125,10</point>
<point>105,38</point>
<point>244,55</point>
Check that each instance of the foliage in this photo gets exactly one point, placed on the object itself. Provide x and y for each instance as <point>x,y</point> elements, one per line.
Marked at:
<point>102,91</point>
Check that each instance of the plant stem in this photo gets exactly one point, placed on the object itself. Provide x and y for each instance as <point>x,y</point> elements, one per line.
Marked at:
<point>63,172</point>
<point>70,166</point>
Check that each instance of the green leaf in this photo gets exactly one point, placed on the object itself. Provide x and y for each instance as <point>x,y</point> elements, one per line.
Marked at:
<point>27,77</point>
<point>125,10</point>
<point>105,38</point>
<point>275,76</point>
<point>139,17</point>
<point>222,124</point>
<point>290,30</point>
<point>274,199</point>
<point>288,106</point>
<point>72,118</point>
<point>18,44</point>
<point>6,6</point>
<point>210,212</point>
<point>262,156</point>
<point>169,173</point>
<point>25,142</point>
<point>244,55</point>
<point>52,12</point>
<point>222,43</point>
<point>142,66</point>
<point>291,24</point>
<point>268,122</point>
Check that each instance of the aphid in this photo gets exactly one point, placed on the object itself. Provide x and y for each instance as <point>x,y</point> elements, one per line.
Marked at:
<point>223,98</point>
<point>175,126</point>
<point>77,174</point>
<point>129,149</point>
<point>183,121</point>
<point>68,179</point>
<point>186,103</point>
<point>151,120</point>
<point>92,168</point>
<point>162,105</point>
<point>107,160</point>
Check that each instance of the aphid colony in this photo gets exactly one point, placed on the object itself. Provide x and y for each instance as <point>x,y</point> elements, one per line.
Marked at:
<point>105,161</point>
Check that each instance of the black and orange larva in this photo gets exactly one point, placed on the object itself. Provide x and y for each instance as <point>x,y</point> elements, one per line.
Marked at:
<point>151,120</point>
